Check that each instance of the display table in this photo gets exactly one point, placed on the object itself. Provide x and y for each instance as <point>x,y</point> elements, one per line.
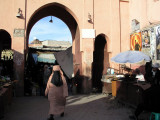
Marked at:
<point>129,92</point>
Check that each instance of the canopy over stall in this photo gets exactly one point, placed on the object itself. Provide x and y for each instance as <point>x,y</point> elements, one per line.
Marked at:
<point>132,57</point>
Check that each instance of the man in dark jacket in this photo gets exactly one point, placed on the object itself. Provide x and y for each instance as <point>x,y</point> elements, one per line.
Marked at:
<point>155,74</point>
<point>150,96</point>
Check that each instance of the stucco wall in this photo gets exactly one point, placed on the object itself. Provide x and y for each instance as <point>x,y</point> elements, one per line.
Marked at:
<point>105,20</point>
<point>145,11</point>
<point>9,22</point>
<point>109,17</point>
<point>125,26</point>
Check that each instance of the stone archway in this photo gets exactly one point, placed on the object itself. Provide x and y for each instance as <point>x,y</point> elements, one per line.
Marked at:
<point>99,61</point>
<point>67,16</point>
<point>57,10</point>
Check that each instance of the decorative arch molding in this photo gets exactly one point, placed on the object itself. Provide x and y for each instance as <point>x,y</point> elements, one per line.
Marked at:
<point>54,9</point>
<point>108,42</point>
<point>100,40</point>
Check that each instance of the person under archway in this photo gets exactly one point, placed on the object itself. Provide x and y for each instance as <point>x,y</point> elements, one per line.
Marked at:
<point>57,92</point>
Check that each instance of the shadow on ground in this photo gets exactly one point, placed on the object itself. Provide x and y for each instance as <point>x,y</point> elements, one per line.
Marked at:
<point>79,107</point>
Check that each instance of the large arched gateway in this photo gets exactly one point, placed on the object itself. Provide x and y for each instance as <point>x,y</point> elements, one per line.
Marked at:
<point>85,19</point>
<point>66,15</point>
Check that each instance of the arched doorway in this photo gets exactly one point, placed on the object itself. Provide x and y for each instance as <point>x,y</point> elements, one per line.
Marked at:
<point>64,14</point>
<point>6,54</point>
<point>5,41</point>
<point>59,11</point>
<point>67,16</point>
<point>99,56</point>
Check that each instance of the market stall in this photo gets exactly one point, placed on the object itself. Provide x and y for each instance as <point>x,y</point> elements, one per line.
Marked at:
<point>129,91</point>
<point>125,86</point>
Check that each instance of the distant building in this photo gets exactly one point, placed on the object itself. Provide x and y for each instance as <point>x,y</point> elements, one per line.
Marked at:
<point>50,45</point>
<point>35,43</point>
<point>56,43</point>
<point>42,51</point>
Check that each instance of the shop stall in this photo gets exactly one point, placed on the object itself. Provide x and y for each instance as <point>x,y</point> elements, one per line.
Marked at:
<point>128,90</point>
<point>125,85</point>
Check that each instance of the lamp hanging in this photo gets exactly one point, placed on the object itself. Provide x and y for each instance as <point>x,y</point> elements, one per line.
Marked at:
<point>51,21</point>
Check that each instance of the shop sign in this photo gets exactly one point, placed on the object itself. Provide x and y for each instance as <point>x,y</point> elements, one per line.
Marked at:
<point>152,43</point>
<point>136,42</point>
<point>18,33</point>
<point>157,31</point>
<point>88,33</point>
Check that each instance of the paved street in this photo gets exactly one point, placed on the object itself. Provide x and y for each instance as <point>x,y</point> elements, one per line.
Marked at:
<point>79,107</point>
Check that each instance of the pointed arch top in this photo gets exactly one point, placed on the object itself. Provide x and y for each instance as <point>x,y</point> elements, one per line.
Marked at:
<point>54,9</point>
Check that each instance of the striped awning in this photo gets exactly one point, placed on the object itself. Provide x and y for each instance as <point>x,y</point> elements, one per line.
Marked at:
<point>47,58</point>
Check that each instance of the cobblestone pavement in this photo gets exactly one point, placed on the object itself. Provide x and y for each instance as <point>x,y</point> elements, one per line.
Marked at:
<point>79,107</point>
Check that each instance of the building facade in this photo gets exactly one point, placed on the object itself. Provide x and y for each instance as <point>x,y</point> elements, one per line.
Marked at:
<point>100,29</point>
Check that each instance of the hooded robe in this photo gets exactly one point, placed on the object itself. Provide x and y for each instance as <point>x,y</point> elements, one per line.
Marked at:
<point>56,94</point>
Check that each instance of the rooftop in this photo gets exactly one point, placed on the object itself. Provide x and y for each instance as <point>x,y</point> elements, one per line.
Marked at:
<point>52,45</point>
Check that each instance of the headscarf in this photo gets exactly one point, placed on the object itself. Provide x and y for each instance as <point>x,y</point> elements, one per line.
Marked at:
<point>56,78</point>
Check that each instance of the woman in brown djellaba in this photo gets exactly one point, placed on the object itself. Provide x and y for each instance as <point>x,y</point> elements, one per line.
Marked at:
<point>57,92</point>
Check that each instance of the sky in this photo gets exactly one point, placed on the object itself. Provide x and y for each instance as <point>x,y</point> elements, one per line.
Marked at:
<point>44,30</point>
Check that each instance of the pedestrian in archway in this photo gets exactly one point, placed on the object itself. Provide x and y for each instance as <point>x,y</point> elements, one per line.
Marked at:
<point>57,92</point>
